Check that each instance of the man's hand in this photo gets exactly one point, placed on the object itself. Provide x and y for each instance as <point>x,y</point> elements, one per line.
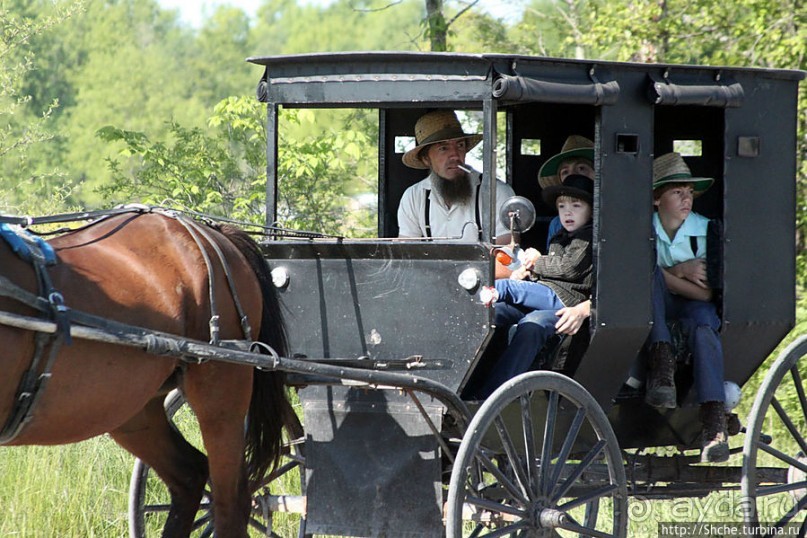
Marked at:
<point>693,270</point>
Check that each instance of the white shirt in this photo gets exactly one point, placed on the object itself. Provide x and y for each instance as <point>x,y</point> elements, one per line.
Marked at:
<point>457,222</point>
<point>669,253</point>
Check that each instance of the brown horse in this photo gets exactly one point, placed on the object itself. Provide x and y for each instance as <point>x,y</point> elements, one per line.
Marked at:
<point>146,269</point>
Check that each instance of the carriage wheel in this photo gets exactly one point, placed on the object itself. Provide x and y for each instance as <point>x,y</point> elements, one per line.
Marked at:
<point>539,459</point>
<point>774,481</point>
<point>149,499</point>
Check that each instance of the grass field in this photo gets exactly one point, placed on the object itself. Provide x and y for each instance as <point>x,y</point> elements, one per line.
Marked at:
<point>81,491</point>
<point>68,491</point>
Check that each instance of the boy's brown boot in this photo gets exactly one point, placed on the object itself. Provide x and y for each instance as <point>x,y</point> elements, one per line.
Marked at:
<point>660,390</point>
<point>714,437</point>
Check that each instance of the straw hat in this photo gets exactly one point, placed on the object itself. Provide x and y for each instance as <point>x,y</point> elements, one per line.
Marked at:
<point>575,146</point>
<point>671,168</point>
<point>574,185</point>
<point>433,127</point>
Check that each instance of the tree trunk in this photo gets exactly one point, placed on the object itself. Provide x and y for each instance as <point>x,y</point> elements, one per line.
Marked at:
<point>436,25</point>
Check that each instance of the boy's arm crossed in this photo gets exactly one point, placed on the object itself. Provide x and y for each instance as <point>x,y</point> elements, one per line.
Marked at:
<point>686,288</point>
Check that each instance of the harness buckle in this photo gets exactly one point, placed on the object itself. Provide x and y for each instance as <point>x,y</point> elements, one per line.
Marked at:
<point>214,329</point>
<point>56,300</point>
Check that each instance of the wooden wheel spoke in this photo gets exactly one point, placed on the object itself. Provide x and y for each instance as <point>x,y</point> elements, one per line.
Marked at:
<point>802,466</point>
<point>506,531</point>
<point>568,444</point>
<point>591,496</point>
<point>578,471</point>
<point>794,432</point>
<point>516,464</point>
<point>530,452</point>
<point>788,517</point>
<point>585,531</point>
<point>277,473</point>
<point>502,479</point>
<point>255,524</point>
<point>495,507</point>
<point>204,520</point>
<point>546,448</point>
<point>781,488</point>
<point>155,508</point>
<point>797,382</point>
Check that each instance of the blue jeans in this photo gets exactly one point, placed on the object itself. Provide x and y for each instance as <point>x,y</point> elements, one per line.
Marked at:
<point>532,329</point>
<point>701,324</point>
<point>531,295</point>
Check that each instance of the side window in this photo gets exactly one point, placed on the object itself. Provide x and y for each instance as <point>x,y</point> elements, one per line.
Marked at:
<point>328,170</point>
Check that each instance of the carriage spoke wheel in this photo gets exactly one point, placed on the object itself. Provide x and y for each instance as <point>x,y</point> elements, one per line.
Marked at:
<point>774,481</point>
<point>276,499</point>
<point>539,459</point>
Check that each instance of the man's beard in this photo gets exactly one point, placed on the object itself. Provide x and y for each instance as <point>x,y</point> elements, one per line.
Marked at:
<point>453,192</point>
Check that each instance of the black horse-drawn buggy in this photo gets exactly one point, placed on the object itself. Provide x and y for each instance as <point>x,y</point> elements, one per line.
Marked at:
<point>385,333</point>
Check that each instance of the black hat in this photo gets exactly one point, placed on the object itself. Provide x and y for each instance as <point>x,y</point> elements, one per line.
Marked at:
<point>574,185</point>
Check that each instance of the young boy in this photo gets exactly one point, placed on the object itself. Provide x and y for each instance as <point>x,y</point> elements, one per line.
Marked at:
<point>562,278</point>
<point>681,293</point>
<point>575,157</point>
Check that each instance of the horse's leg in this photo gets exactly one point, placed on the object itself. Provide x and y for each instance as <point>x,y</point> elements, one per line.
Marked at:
<point>150,437</point>
<point>219,394</point>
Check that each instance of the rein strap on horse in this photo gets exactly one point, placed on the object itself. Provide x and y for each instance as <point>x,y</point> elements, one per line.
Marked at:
<point>197,232</point>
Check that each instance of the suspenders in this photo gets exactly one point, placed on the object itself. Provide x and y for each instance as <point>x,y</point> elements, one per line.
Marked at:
<point>427,209</point>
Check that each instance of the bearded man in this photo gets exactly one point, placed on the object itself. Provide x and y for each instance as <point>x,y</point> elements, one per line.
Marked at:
<point>445,204</point>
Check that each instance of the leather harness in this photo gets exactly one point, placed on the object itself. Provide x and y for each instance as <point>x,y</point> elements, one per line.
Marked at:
<point>50,303</point>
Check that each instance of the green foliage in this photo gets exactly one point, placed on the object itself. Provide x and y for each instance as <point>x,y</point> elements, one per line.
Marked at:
<point>26,119</point>
<point>224,172</point>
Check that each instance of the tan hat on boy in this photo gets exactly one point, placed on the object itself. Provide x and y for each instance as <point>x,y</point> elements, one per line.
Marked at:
<point>433,127</point>
<point>575,146</point>
<point>671,168</point>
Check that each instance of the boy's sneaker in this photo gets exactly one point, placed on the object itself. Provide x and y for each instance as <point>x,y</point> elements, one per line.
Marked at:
<point>488,295</point>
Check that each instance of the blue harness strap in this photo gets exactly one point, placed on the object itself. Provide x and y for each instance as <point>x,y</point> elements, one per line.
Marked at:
<point>22,242</point>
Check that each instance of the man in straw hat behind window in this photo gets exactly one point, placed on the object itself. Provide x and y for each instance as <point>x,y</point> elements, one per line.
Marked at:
<point>446,203</point>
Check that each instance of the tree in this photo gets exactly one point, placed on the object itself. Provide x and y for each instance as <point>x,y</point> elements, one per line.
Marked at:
<point>224,173</point>
<point>26,120</point>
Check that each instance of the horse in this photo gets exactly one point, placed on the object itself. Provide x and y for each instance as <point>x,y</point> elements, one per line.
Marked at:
<point>163,272</point>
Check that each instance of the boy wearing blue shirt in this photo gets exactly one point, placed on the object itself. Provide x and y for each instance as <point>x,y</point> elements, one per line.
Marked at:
<point>681,293</point>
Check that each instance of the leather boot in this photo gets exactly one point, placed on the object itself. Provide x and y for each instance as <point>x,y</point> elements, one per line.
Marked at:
<point>714,437</point>
<point>660,390</point>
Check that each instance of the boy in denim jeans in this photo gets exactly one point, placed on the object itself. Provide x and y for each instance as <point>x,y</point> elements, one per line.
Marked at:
<point>681,293</point>
<point>561,278</point>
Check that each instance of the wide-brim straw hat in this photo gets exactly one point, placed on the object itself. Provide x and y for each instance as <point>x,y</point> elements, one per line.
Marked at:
<point>433,127</point>
<point>574,185</point>
<point>574,146</point>
<point>671,168</point>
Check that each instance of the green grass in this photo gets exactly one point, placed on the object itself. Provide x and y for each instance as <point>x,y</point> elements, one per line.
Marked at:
<point>76,490</point>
